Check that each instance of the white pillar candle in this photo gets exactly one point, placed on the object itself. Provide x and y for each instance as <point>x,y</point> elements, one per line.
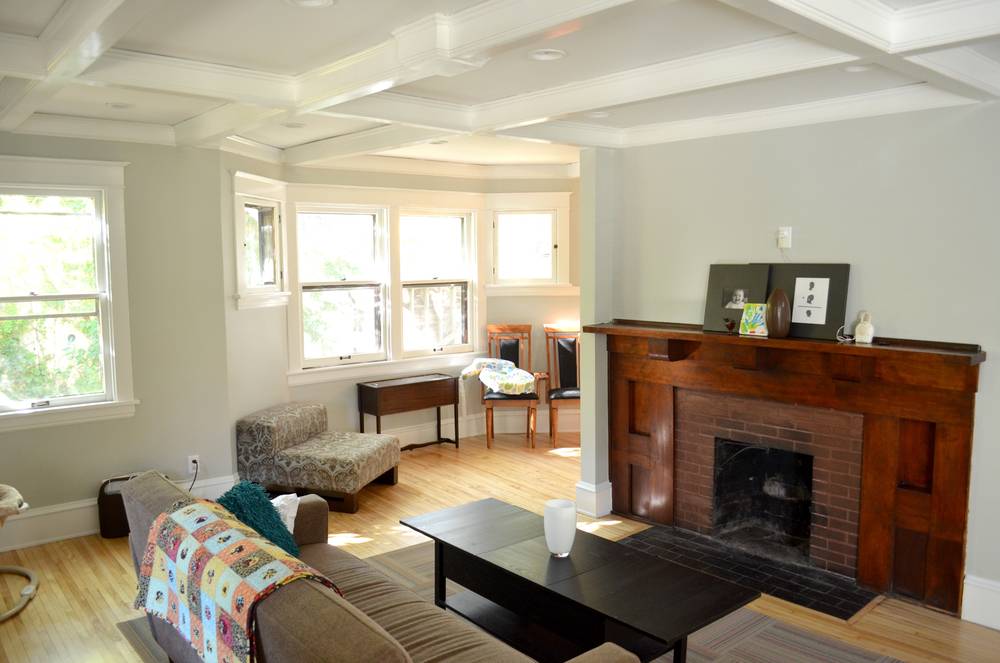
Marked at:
<point>560,526</point>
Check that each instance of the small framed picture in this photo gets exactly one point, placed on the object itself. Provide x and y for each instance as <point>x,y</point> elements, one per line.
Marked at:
<point>730,289</point>
<point>754,320</point>
<point>818,293</point>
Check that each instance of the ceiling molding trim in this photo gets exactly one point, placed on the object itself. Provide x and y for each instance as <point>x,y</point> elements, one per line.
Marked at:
<point>69,126</point>
<point>768,57</point>
<point>362,142</point>
<point>22,56</point>
<point>405,109</point>
<point>919,96</point>
<point>963,64</point>
<point>217,124</point>
<point>167,74</point>
<point>252,149</point>
<point>944,22</point>
<point>867,21</point>
<point>80,32</point>
<point>573,133</point>
<point>406,166</point>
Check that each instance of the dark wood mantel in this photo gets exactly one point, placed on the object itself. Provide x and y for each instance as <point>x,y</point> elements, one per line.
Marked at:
<point>917,399</point>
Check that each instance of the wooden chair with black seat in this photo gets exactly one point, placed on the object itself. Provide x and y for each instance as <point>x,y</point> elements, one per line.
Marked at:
<point>513,343</point>
<point>562,356</point>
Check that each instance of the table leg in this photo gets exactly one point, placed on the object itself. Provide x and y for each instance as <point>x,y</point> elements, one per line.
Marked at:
<point>681,650</point>
<point>439,579</point>
<point>438,410</point>
<point>456,423</point>
<point>361,419</point>
<point>378,424</point>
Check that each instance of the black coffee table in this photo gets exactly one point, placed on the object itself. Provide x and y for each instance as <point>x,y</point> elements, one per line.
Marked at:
<point>554,609</point>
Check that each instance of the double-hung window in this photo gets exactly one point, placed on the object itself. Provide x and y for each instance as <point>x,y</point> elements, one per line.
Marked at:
<point>435,282</point>
<point>343,274</point>
<point>526,247</point>
<point>63,338</point>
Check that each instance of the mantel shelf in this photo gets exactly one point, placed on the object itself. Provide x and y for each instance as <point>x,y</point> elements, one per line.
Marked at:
<point>891,348</point>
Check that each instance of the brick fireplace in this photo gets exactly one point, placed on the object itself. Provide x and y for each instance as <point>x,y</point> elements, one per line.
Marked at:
<point>833,439</point>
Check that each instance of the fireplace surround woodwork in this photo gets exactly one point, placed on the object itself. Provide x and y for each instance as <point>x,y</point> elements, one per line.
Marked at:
<point>916,400</point>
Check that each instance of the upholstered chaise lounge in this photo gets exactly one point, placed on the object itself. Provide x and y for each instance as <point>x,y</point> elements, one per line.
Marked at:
<point>288,448</point>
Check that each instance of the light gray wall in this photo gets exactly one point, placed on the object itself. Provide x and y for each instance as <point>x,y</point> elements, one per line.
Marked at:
<point>911,201</point>
<point>177,328</point>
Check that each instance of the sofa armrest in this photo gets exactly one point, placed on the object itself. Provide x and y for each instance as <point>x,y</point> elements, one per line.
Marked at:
<point>311,520</point>
<point>609,652</point>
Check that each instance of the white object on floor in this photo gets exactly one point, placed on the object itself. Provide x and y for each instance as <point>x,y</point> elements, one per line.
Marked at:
<point>560,526</point>
<point>288,507</point>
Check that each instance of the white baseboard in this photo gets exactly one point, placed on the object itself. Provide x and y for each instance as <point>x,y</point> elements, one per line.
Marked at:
<point>593,499</point>
<point>981,601</point>
<point>73,519</point>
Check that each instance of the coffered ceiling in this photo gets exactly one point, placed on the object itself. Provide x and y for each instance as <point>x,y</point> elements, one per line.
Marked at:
<point>493,82</point>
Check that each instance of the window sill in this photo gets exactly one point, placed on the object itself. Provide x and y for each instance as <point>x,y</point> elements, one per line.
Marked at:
<point>66,414</point>
<point>262,299</point>
<point>548,290</point>
<point>380,369</point>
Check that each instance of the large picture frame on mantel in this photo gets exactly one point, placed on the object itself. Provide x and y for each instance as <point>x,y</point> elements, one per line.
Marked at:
<point>818,294</point>
<point>730,287</point>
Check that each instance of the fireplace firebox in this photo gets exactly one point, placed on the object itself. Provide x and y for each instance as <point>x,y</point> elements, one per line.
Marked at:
<point>762,499</point>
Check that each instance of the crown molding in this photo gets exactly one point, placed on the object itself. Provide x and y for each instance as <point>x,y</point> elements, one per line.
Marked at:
<point>405,166</point>
<point>363,142</point>
<point>573,133</point>
<point>867,21</point>
<point>944,22</point>
<point>69,126</point>
<point>252,149</point>
<point>23,57</point>
<point>963,64</point>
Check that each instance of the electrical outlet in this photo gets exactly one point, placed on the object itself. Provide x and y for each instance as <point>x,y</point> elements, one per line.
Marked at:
<point>193,462</point>
<point>785,237</point>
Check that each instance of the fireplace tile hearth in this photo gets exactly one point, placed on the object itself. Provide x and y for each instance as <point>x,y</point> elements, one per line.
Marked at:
<point>814,588</point>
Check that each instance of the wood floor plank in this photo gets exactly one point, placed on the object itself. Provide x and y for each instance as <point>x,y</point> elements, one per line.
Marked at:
<point>87,584</point>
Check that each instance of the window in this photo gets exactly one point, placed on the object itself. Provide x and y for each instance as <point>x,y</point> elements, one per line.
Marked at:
<point>342,276</point>
<point>64,342</point>
<point>259,237</point>
<point>435,282</point>
<point>525,247</point>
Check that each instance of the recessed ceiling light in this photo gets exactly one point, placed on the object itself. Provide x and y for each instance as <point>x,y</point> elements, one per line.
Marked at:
<point>311,4</point>
<point>439,141</point>
<point>547,54</point>
<point>119,105</point>
<point>294,125</point>
<point>857,68</point>
<point>598,115</point>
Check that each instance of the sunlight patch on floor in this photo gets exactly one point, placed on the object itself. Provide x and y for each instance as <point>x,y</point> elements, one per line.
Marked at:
<point>340,539</point>
<point>597,524</point>
<point>565,452</point>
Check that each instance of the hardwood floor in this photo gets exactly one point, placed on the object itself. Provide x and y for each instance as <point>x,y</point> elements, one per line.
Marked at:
<point>87,584</point>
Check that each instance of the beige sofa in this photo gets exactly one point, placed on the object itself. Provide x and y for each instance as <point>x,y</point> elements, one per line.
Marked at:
<point>375,620</point>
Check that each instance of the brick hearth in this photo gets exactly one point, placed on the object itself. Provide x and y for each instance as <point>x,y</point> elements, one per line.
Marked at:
<point>832,437</point>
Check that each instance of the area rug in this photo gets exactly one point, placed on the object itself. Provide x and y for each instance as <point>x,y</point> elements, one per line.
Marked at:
<point>743,637</point>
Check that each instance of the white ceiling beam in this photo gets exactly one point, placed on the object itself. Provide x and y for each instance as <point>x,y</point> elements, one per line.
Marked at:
<point>571,133</point>
<point>865,28</point>
<point>436,45</point>
<point>166,74</point>
<point>80,32</point>
<point>378,139</point>
<point>760,59</point>
<point>71,126</point>
<point>963,64</point>
<point>22,56</point>
<point>405,109</point>
<point>213,126</point>
<point>944,23</point>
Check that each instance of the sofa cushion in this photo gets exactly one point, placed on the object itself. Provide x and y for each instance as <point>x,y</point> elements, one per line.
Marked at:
<point>425,631</point>
<point>336,462</point>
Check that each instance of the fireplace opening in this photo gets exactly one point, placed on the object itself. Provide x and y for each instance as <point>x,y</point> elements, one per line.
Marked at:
<point>763,499</point>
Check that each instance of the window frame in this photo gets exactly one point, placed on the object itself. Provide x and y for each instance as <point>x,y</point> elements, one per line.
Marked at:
<point>264,192</point>
<point>556,203</point>
<point>104,181</point>
<point>467,277</point>
<point>383,282</point>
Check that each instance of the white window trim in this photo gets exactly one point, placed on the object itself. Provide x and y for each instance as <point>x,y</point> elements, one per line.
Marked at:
<point>383,276</point>
<point>249,188</point>
<point>558,204</point>
<point>469,232</point>
<point>307,195</point>
<point>108,179</point>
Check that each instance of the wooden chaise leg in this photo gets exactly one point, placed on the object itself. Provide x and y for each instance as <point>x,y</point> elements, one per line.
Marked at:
<point>489,427</point>
<point>532,419</point>
<point>553,423</point>
<point>389,477</point>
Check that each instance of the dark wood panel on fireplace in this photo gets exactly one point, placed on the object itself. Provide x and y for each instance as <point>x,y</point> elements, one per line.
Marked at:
<point>917,401</point>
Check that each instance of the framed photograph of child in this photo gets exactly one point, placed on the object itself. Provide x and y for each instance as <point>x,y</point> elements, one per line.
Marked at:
<point>730,288</point>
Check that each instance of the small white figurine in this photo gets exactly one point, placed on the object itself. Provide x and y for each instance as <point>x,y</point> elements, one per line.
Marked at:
<point>864,331</point>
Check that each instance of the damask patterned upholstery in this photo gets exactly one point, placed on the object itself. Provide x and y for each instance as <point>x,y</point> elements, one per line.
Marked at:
<point>289,446</point>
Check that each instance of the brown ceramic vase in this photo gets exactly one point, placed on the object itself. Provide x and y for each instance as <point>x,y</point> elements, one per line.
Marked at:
<point>779,314</point>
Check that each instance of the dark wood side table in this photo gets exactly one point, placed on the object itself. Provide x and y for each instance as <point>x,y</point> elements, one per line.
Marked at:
<point>405,395</point>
